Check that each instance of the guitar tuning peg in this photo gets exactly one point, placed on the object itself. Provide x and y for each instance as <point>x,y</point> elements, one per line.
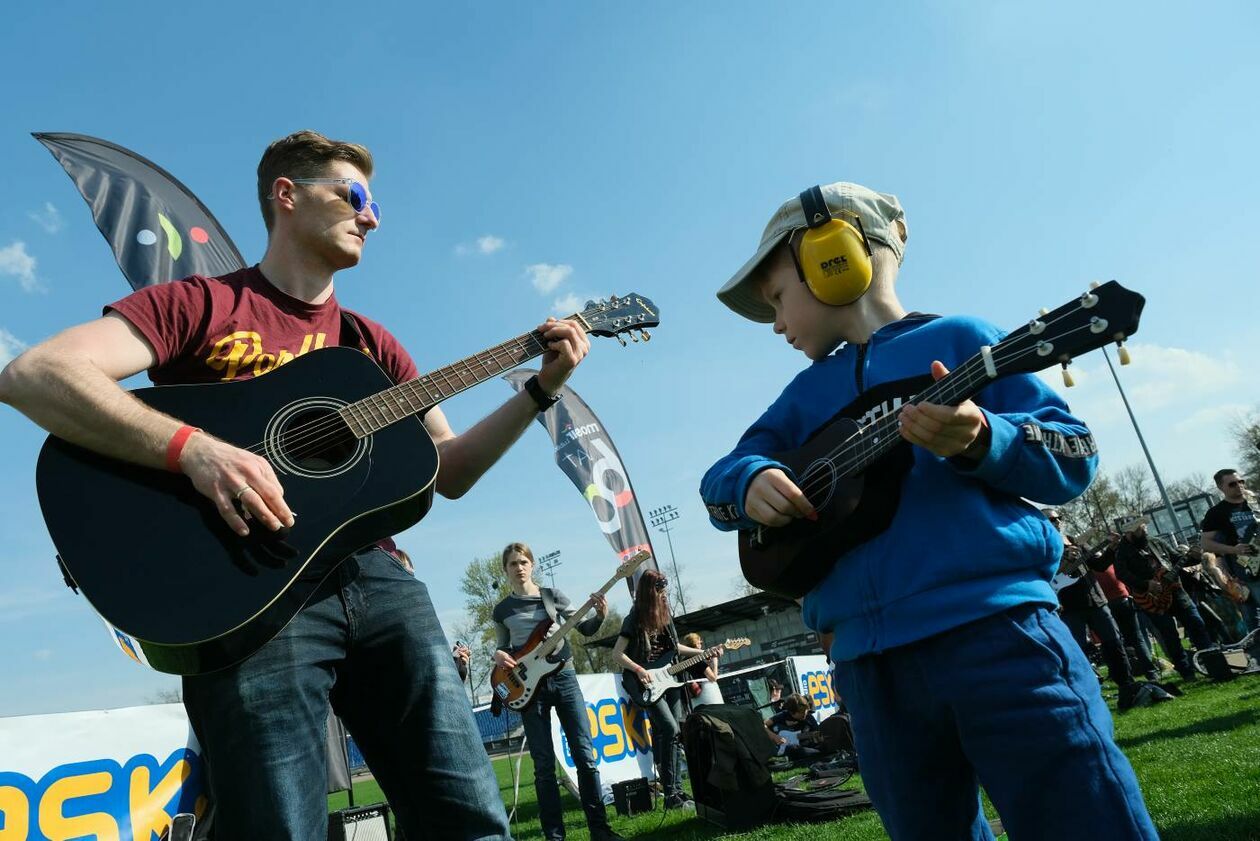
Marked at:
<point>1094,284</point>
<point>1068,382</point>
<point>621,339</point>
<point>1123,353</point>
<point>1043,311</point>
<point>634,337</point>
<point>647,337</point>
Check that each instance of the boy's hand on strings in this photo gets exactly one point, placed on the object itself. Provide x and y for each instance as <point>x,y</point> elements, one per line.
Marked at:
<point>946,431</point>
<point>774,500</point>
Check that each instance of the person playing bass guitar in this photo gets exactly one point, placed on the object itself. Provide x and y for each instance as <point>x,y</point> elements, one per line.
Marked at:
<point>647,636</point>
<point>515,619</point>
<point>1144,564</point>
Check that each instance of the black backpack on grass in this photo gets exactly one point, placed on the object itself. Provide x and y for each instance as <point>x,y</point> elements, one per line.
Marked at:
<point>727,750</point>
<point>804,800</point>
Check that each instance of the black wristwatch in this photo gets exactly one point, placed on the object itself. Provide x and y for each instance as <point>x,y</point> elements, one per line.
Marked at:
<point>544,400</point>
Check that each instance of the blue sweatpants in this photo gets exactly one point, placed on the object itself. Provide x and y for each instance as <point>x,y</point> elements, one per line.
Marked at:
<point>1008,702</point>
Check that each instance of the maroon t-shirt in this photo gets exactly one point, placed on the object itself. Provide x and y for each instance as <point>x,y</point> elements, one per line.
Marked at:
<point>216,329</point>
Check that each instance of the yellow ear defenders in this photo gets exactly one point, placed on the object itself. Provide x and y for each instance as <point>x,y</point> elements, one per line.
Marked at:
<point>835,257</point>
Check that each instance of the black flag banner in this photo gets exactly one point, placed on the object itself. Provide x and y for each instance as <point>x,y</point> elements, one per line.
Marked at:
<point>157,229</point>
<point>585,452</point>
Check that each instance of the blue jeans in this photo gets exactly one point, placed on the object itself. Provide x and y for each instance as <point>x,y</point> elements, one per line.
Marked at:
<point>1124,612</point>
<point>666,718</point>
<point>1009,702</point>
<point>1185,611</point>
<point>560,692</point>
<point>369,642</point>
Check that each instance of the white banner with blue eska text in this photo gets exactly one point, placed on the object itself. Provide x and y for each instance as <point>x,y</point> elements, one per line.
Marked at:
<point>813,680</point>
<point>116,775</point>
<point>620,734</point>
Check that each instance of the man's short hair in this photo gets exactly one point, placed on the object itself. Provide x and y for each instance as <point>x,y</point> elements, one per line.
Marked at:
<point>515,549</point>
<point>304,154</point>
<point>1221,474</point>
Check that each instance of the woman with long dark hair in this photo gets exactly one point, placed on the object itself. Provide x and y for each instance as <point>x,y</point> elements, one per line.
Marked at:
<point>647,637</point>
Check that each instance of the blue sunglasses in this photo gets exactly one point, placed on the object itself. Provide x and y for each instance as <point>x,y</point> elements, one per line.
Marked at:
<point>358,197</point>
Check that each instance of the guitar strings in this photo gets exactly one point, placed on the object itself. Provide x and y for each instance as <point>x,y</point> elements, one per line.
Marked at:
<point>880,433</point>
<point>335,427</point>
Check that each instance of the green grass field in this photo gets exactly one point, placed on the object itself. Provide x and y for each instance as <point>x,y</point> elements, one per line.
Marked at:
<point>1198,760</point>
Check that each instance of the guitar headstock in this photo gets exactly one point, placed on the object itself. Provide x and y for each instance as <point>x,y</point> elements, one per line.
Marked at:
<point>737,642</point>
<point>630,564</point>
<point>614,316</point>
<point>1106,313</point>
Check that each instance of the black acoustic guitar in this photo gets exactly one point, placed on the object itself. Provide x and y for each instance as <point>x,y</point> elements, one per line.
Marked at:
<point>182,592</point>
<point>852,474</point>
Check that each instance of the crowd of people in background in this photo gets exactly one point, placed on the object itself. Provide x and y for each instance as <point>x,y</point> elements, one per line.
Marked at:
<point>1133,585</point>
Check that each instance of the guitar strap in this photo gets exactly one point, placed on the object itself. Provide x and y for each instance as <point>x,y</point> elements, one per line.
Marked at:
<point>549,603</point>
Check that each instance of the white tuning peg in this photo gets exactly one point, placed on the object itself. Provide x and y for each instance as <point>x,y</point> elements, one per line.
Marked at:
<point>1068,382</point>
<point>1043,312</point>
<point>1122,353</point>
<point>620,339</point>
<point>1094,284</point>
<point>647,337</point>
<point>634,337</point>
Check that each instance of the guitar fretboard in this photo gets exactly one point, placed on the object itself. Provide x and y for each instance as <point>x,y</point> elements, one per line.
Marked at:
<point>374,413</point>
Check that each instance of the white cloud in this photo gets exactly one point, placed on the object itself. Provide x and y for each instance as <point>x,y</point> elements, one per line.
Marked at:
<point>49,218</point>
<point>567,305</point>
<point>547,277</point>
<point>489,244</point>
<point>42,654</point>
<point>16,262</point>
<point>10,346</point>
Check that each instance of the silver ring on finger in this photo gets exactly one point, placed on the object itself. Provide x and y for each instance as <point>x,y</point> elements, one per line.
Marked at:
<point>237,496</point>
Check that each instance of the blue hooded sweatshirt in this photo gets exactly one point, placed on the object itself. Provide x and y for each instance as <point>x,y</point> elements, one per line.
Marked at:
<point>962,544</point>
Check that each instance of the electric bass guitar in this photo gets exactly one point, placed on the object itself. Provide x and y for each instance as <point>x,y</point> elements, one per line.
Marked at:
<point>536,659</point>
<point>181,591</point>
<point>852,474</point>
<point>664,673</point>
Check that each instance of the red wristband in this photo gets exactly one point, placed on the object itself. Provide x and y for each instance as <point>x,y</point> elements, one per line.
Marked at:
<point>176,446</point>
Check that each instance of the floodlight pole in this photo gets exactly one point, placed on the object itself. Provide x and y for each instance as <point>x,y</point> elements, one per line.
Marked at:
<point>661,518</point>
<point>1159,483</point>
<point>548,563</point>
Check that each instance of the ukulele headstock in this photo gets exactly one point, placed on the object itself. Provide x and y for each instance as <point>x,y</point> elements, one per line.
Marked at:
<point>1106,313</point>
<point>632,314</point>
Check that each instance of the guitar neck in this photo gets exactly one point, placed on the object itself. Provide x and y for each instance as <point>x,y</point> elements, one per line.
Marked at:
<point>873,441</point>
<point>683,665</point>
<point>554,641</point>
<point>374,413</point>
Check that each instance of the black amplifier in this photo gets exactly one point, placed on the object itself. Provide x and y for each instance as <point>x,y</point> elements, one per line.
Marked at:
<point>632,797</point>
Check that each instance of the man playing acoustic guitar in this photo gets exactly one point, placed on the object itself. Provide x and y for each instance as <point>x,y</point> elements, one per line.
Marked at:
<point>515,620</point>
<point>368,639</point>
<point>947,651</point>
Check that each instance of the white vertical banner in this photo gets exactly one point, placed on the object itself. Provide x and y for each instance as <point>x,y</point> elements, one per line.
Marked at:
<point>813,680</point>
<point>114,775</point>
<point>620,734</point>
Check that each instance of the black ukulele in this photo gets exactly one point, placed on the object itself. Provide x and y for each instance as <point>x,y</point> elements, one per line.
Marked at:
<point>185,593</point>
<point>852,474</point>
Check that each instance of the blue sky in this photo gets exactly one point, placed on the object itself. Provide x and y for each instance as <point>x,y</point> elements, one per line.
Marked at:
<point>641,148</point>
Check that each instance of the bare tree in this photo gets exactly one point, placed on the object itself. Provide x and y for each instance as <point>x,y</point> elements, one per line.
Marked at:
<point>1136,489</point>
<point>1245,430</point>
<point>172,695</point>
<point>741,588</point>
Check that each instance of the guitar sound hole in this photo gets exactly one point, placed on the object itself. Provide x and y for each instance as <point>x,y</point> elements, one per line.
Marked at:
<point>317,440</point>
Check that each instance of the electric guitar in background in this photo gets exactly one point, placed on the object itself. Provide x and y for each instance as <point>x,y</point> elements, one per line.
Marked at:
<point>665,674</point>
<point>536,659</point>
<point>852,474</point>
<point>183,592</point>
